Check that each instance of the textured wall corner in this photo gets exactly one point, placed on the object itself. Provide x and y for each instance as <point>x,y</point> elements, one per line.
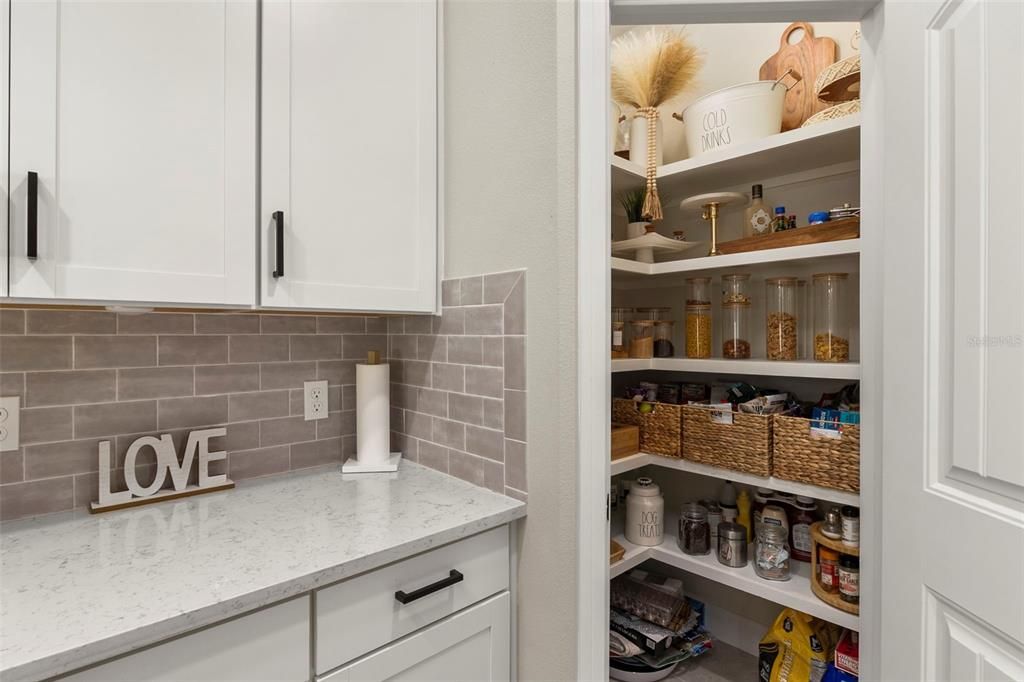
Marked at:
<point>458,382</point>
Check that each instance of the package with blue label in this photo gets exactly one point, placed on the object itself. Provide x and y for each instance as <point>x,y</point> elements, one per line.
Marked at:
<point>826,419</point>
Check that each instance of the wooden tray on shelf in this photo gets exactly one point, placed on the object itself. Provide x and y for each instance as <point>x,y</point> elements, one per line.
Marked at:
<point>830,598</point>
<point>832,231</point>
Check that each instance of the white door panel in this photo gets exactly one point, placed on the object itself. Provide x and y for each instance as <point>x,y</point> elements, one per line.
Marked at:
<point>953,492</point>
<point>350,153</point>
<point>5,7</point>
<point>139,118</point>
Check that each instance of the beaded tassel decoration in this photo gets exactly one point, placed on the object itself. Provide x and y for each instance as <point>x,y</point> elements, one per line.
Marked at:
<point>652,202</point>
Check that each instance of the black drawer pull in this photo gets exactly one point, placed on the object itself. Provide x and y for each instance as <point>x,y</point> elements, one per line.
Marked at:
<point>279,236</point>
<point>453,578</point>
<point>32,217</point>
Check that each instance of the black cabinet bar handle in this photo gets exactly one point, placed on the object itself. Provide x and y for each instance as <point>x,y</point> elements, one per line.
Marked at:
<point>279,236</point>
<point>32,222</point>
<point>453,578</point>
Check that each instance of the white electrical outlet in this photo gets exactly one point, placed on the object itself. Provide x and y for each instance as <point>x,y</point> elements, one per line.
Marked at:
<point>315,399</point>
<point>10,418</point>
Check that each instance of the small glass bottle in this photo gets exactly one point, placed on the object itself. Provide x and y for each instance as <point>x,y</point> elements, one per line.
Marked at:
<point>663,347</point>
<point>831,318</point>
<point>791,222</point>
<point>736,331</point>
<point>698,331</point>
<point>620,317</point>
<point>781,318</point>
<point>779,222</point>
<point>694,530</point>
<point>698,291</point>
<point>756,220</point>
<point>771,554</point>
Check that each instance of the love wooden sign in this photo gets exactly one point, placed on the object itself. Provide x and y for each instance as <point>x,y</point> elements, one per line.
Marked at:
<point>168,464</point>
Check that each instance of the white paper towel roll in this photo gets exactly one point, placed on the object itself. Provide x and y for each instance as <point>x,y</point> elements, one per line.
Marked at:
<point>373,414</point>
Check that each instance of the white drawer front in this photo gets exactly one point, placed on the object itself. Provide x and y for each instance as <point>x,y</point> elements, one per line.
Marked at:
<point>272,644</point>
<point>359,615</point>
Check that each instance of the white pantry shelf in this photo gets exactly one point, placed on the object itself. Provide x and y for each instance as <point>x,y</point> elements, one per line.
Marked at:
<point>642,459</point>
<point>849,371</point>
<point>806,253</point>
<point>794,593</point>
<point>825,144</point>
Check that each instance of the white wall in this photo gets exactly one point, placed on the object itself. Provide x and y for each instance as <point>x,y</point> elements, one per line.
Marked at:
<point>510,203</point>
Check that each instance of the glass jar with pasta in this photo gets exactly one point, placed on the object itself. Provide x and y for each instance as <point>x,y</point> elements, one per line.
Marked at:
<point>698,331</point>
<point>831,317</point>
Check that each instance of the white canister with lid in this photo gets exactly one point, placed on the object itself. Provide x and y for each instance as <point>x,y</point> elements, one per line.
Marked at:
<point>645,513</point>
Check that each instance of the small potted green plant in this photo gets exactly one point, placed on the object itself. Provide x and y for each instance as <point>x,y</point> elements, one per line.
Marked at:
<point>632,202</point>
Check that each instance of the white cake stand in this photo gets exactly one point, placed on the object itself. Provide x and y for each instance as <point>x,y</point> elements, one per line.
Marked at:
<point>708,204</point>
<point>646,245</point>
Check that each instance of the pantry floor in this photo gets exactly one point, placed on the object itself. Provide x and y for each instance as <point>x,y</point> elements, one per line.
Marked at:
<point>724,663</point>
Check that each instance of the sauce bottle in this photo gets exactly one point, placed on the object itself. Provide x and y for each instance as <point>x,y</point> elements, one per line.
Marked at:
<point>800,529</point>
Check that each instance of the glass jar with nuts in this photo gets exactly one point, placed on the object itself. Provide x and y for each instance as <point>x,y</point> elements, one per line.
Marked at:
<point>831,317</point>
<point>781,318</point>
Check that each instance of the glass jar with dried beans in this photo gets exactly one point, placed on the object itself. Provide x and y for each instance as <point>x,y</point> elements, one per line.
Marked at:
<point>641,342</point>
<point>781,318</point>
<point>736,330</point>
<point>698,331</point>
<point>831,317</point>
<point>663,347</point>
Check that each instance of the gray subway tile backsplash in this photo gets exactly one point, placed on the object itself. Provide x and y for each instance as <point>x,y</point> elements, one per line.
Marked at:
<point>85,376</point>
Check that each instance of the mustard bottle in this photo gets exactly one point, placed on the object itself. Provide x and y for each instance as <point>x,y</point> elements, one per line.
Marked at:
<point>743,513</point>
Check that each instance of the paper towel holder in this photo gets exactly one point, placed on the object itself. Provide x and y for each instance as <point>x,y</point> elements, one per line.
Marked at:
<point>365,462</point>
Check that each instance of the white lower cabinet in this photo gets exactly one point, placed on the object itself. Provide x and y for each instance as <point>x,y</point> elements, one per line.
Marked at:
<point>271,644</point>
<point>471,646</point>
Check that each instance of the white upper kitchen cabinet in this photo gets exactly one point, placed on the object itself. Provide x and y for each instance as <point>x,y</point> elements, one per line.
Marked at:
<point>349,155</point>
<point>133,151</point>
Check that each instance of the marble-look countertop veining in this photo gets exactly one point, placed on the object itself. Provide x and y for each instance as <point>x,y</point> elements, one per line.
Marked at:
<point>76,589</point>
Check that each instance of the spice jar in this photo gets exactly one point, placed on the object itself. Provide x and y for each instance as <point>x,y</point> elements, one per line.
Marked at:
<point>698,291</point>
<point>620,316</point>
<point>736,330</point>
<point>698,331</point>
<point>832,526</point>
<point>694,531</point>
<point>736,288</point>
<point>645,511</point>
<point>851,526</point>
<point>849,578</point>
<point>732,545</point>
<point>771,553</point>
<point>831,319</point>
<point>828,569</point>
<point>781,318</point>
<point>641,341</point>
<point>663,347</point>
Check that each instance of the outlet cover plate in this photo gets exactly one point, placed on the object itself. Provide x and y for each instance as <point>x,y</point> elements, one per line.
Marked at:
<point>314,398</point>
<point>10,419</point>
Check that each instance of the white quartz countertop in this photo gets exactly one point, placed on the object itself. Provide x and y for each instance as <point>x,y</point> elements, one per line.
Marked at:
<point>76,588</point>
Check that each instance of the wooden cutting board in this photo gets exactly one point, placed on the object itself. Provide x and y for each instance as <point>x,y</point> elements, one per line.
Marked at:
<point>809,57</point>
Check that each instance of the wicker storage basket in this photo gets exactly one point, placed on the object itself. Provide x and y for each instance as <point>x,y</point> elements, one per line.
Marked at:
<point>661,429</point>
<point>744,445</point>
<point>806,457</point>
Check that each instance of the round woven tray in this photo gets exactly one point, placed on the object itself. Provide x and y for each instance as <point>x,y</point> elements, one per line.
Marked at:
<point>830,598</point>
<point>840,82</point>
<point>834,112</point>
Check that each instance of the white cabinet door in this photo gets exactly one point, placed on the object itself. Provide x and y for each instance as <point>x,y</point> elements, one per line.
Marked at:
<point>271,645</point>
<point>5,8</point>
<point>953,495</point>
<point>349,154</point>
<point>471,646</point>
<point>138,120</point>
